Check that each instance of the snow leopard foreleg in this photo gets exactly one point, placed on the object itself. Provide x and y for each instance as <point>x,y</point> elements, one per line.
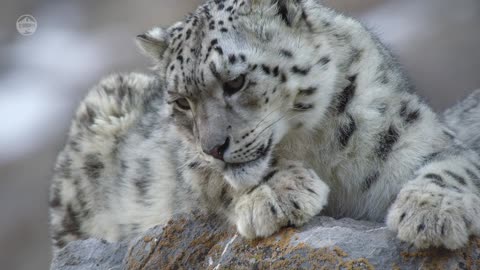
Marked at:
<point>441,206</point>
<point>289,194</point>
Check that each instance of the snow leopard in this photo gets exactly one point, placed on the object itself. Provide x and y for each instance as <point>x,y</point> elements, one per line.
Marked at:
<point>265,113</point>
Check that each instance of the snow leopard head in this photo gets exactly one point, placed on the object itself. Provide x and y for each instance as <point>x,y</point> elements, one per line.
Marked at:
<point>241,74</point>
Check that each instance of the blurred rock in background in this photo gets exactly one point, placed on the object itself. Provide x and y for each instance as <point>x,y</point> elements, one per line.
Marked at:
<point>44,76</point>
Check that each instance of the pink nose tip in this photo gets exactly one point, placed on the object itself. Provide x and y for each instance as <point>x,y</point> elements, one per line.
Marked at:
<point>219,150</point>
<point>217,153</point>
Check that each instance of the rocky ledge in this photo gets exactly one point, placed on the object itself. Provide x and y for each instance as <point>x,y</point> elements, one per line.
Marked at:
<point>199,242</point>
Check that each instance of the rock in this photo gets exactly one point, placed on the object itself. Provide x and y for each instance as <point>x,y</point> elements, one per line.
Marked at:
<point>90,254</point>
<point>200,242</point>
<point>203,243</point>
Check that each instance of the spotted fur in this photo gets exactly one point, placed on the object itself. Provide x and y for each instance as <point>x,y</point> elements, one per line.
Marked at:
<point>266,113</point>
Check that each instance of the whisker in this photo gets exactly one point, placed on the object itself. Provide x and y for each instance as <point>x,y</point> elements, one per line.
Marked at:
<point>269,125</point>
<point>264,118</point>
<point>254,146</point>
<point>258,135</point>
<point>273,123</point>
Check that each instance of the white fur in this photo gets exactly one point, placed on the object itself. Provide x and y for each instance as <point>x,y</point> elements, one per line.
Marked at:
<point>347,161</point>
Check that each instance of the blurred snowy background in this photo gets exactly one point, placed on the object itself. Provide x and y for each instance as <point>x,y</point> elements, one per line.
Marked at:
<point>45,75</point>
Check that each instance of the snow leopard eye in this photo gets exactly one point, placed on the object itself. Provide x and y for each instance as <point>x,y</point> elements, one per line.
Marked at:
<point>183,104</point>
<point>235,85</point>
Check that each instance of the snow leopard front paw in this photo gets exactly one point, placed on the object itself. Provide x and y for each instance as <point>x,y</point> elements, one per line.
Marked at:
<point>435,217</point>
<point>258,213</point>
<point>288,195</point>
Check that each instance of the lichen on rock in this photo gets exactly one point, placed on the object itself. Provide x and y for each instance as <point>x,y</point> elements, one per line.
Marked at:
<point>202,242</point>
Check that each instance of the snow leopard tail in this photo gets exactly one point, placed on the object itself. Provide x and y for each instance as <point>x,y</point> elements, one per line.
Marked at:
<point>464,120</point>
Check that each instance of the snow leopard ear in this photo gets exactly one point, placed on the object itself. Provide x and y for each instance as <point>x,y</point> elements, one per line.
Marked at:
<point>153,43</point>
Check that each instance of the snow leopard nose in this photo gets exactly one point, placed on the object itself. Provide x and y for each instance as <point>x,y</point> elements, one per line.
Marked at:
<point>219,150</point>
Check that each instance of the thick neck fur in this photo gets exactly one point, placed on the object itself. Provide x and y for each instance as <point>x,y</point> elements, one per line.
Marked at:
<point>360,117</point>
<point>364,118</point>
<point>369,107</point>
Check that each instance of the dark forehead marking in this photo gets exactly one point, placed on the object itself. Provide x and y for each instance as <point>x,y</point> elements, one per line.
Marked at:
<point>190,45</point>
